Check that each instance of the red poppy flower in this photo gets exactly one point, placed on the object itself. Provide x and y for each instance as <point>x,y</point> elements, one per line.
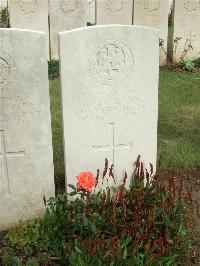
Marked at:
<point>86,181</point>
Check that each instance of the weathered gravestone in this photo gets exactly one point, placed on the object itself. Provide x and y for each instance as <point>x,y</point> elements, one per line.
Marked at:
<point>30,14</point>
<point>114,12</point>
<point>186,27</point>
<point>153,14</point>
<point>110,97</point>
<point>65,15</point>
<point>26,163</point>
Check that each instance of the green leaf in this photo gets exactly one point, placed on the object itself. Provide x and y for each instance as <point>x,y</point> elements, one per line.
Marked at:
<point>125,253</point>
<point>78,250</point>
<point>71,186</point>
<point>126,242</point>
<point>73,193</point>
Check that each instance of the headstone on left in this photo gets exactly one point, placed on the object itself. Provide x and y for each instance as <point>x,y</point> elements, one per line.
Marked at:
<point>114,12</point>
<point>31,15</point>
<point>65,15</point>
<point>154,14</point>
<point>26,156</point>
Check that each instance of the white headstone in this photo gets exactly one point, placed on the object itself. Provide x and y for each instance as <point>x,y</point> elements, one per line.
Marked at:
<point>91,11</point>
<point>109,80</point>
<point>187,27</point>
<point>65,15</point>
<point>30,14</point>
<point>153,14</point>
<point>26,161</point>
<point>114,12</point>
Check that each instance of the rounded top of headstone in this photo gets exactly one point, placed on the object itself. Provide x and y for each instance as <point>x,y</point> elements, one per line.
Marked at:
<point>111,26</point>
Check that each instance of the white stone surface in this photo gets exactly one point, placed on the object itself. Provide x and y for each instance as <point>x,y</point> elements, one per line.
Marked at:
<point>187,27</point>
<point>109,80</point>
<point>65,15</point>
<point>153,14</point>
<point>114,12</point>
<point>91,11</point>
<point>3,3</point>
<point>31,15</point>
<point>26,160</point>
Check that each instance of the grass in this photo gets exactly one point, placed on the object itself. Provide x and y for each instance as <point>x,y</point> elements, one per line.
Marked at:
<point>178,127</point>
<point>179,118</point>
<point>56,116</point>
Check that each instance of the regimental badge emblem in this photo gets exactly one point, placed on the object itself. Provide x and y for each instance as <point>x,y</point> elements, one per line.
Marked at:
<point>7,70</point>
<point>111,63</point>
<point>68,6</point>
<point>192,6</point>
<point>115,5</point>
<point>151,6</point>
<point>29,7</point>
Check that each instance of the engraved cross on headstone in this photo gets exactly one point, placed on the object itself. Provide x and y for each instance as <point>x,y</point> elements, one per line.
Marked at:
<point>3,155</point>
<point>113,147</point>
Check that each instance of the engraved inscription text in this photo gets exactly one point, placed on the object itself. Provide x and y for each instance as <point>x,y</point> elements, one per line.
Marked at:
<point>115,104</point>
<point>17,109</point>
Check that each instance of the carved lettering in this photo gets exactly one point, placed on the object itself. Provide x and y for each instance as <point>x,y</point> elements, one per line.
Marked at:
<point>18,109</point>
<point>114,104</point>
